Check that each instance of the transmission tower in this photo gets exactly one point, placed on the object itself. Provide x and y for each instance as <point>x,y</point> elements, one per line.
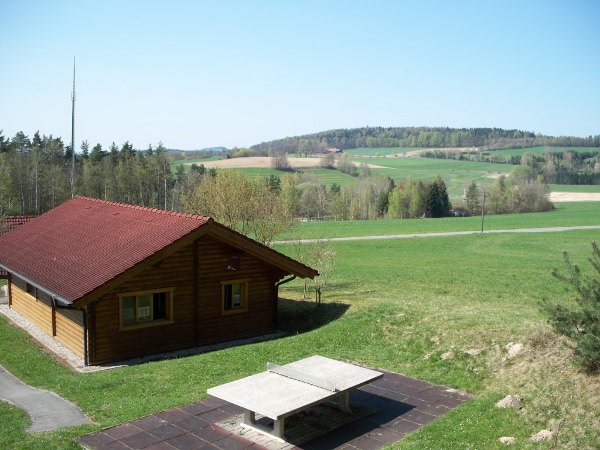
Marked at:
<point>72,180</point>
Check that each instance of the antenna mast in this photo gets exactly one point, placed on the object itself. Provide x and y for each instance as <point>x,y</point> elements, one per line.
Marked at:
<point>73,134</point>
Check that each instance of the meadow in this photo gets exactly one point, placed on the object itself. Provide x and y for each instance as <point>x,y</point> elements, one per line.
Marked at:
<point>392,162</point>
<point>396,304</point>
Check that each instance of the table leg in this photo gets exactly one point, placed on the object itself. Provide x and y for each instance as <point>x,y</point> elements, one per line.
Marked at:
<point>343,402</point>
<point>278,428</point>
<point>249,417</point>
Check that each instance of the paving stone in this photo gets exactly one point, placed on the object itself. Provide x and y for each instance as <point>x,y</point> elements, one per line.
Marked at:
<point>122,431</point>
<point>211,433</point>
<point>419,417</point>
<point>149,422</point>
<point>386,435</point>
<point>232,442</point>
<point>166,431</point>
<point>407,391</point>
<point>215,402</point>
<point>384,383</point>
<point>405,426</point>
<point>187,442</point>
<point>367,443</point>
<point>140,440</point>
<point>435,410</point>
<point>115,445</point>
<point>214,415</point>
<point>191,423</point>
<point>163,445</point>
<point>173,415</point>
<point>96,440</point>
<point>197,408</point>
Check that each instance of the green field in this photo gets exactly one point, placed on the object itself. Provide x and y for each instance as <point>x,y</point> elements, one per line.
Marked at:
<point>456,174</point>
<point>396,304</point>
<point>541,150</point>
<point>564,215</point>
<point>573,188</point>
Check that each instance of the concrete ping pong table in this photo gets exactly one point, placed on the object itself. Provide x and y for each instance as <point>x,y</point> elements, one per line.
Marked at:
<point>283,391</point>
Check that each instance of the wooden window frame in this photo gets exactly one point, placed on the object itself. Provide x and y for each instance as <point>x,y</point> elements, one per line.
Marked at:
<point>243,307</point>
<point>150,322</point>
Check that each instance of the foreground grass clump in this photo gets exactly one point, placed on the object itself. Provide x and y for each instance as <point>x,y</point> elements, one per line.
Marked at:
<point>395,304</point>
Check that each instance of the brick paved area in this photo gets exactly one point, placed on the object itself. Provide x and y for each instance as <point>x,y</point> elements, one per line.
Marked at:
<point>387,410</point>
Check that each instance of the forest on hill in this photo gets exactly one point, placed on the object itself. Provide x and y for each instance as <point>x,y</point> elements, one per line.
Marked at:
<point>419,137</point>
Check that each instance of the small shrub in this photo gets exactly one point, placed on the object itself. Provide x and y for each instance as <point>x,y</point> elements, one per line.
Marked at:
<point>542,339</point>
<point>579,321</point>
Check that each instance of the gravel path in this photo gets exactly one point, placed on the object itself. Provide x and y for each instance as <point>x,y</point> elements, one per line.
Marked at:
<point>449,233</point>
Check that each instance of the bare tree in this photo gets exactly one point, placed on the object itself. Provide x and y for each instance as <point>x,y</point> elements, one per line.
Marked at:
<point>280,162</point>
<point>327,161</point>
<point>319,254</point>
<point>244,204</point>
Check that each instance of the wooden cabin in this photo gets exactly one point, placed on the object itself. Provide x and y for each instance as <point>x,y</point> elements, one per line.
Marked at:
<point>112,282</point>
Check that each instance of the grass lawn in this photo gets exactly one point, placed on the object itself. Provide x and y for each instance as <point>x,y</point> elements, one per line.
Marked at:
<point>394,304</point>
<point>565,215</point>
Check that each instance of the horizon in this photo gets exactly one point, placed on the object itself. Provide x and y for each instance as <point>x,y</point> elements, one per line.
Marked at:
<point>196,75</point>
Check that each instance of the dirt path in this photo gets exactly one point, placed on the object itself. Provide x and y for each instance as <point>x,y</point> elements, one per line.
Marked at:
<point>451,233</point>
<point>264,162</point>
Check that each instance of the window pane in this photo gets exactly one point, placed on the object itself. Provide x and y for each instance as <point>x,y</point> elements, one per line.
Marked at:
<point>237,295</point>
<point>144,303</point>
<point>128,309</point>
<point>160,305</point>
<point>227,294</point>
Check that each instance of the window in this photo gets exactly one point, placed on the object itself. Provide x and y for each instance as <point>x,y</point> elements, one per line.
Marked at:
<point>31,290</point>
<point>146,308</point>
<point>235,296</point>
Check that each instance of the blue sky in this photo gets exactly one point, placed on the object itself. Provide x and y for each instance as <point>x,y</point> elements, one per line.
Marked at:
<point>197,74</point>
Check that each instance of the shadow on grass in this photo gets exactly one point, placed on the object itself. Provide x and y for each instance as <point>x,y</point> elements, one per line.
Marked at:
<point>300,316</point>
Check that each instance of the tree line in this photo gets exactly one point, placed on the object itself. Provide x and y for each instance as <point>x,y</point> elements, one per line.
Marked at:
<point>562,167</point>
<point>40,173</point>
<point>418,137</point>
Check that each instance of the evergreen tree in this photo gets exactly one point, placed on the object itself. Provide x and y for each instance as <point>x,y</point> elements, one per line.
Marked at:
<point>579,320</point>
<point>437,201</point>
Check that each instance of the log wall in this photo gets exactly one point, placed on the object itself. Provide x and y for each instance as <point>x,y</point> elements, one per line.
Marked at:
<point>197,318</point>
<point>65,325</point>
<point>110,343</point>
<point>37,311</point>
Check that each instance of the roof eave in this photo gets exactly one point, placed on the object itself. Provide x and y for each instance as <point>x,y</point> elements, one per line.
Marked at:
<point>63,301</point>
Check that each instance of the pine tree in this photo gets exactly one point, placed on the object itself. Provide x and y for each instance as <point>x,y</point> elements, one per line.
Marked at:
<point>437,201</point>
<point>579,321</point>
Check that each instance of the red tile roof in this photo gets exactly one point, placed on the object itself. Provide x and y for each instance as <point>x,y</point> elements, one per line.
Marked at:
<point>84,243</point>
<point>8,224</point>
